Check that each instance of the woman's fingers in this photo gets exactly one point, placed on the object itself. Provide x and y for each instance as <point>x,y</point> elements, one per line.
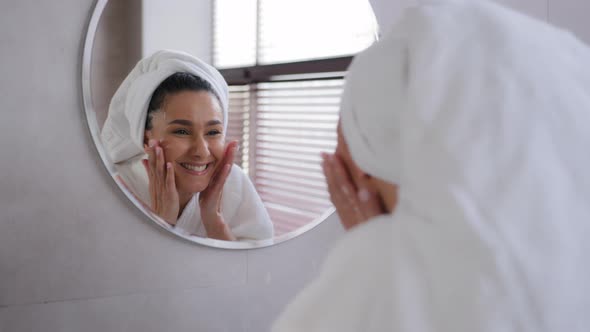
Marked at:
<point>228,159</point>
<point>339,173</point>
<point>216,184</point>
<point>162,183</point>
<point>152,163</point>
<point>151,186</point>
<point>157,174</point>
<point>160,172</point>
<point>337,180</point>
<point>210,199</point>
<point>170,182</point>
<point>230,152</point>
<point>220,182</point>
<point>369,203</point>
<point>210,203</point>
<point>218,179</point>
<point>343,192</point>
<point>336,194</point>
<point>330,182</point>
<point>151,154</point>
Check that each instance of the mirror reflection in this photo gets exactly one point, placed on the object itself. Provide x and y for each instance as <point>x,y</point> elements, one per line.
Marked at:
<point>165,132</point>
<point>237,161</point>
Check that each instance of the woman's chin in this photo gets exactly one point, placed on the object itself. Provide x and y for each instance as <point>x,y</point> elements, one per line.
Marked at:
<point>194,188</point>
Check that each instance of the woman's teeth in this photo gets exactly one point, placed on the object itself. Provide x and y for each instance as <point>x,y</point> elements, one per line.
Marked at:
<point>194,167</point>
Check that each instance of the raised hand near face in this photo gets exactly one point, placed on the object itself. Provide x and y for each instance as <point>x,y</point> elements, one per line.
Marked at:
<point>354,200</point>
<point>210,198</point>
<point>163,193</point>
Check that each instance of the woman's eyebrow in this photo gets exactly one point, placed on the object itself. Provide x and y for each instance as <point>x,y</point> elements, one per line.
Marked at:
<point>213,122</point>
<point>190,123</point>
<point>181,122</point>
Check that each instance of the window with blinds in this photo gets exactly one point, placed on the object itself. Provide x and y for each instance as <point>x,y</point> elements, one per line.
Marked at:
<point>295,121</point>
<point>290,123</point>
<point>238,124</point>
<point>284,111</point>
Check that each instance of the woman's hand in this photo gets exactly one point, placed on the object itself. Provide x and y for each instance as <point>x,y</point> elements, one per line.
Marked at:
<point>163,193</point>
<point>355,203</point>
<point>210,198</point>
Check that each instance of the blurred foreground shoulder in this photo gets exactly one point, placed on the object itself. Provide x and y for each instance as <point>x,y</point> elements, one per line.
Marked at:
<point>353,291</point>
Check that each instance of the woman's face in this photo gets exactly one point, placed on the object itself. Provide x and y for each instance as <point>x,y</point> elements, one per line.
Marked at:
<point>190,131</point>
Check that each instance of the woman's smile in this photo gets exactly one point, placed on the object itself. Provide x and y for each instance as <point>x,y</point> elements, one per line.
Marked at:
<point>196,168</point>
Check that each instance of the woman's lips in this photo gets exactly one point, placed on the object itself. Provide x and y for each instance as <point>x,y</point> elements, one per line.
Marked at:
<point>196,169</point>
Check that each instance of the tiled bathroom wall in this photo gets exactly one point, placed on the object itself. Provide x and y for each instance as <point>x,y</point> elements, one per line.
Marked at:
<point>74,255</point>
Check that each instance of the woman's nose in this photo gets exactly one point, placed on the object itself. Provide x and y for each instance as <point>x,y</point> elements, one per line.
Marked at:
<point>199,148</point>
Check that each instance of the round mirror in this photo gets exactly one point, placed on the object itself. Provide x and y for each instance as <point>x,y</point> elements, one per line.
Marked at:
<point>285,81</point>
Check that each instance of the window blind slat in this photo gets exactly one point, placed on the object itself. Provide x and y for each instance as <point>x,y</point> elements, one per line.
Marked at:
<point>294,148</point>
<point>326,126</point>
<point>299,133</point>
<point>292,181</point>
<point>295,188</point>
<point>286,210</point>
<point>314,206</point>
<point>312,160</point>
<point>305,168</point>
<point>292,165</point>
<point>299,90</point>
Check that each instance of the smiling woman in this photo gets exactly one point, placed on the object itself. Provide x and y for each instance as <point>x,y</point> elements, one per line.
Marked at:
<point>185,117</point>
<point>165,131</point>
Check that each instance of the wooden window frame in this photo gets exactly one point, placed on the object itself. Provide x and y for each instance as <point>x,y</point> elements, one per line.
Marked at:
<point>268,73</point>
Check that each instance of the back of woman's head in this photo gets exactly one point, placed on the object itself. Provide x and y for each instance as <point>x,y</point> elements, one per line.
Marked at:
<point>481,116</point>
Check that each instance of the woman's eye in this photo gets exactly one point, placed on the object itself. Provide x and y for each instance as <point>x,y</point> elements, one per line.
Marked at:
<point>181,132</point>
<point>213,132</point>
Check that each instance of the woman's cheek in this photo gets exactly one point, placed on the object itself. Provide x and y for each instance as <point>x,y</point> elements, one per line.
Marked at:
<point>218,148</point>
<point>171,148</point>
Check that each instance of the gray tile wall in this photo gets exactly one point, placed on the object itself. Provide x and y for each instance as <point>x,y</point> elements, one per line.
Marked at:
<point>74,255</point>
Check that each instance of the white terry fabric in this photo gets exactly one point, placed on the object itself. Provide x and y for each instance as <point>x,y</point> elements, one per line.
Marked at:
<point>123,130</point>
<point>481,116</point>
<point>352,291</point>
<point>242,209</point>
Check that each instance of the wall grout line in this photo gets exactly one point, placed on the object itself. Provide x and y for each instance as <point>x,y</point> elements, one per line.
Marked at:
<point>132,294</point>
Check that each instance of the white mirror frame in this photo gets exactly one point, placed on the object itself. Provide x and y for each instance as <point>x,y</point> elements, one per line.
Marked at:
<point>95,133</point>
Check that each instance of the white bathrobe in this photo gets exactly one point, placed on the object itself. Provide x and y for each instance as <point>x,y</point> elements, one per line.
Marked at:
<point>242,209</point>
<point>123,136</point>
<point>482,118</point>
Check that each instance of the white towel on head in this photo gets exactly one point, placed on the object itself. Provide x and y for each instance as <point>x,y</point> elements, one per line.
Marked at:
<point>370,116</point>
<point>123,131</point>
<point>481,116</point>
